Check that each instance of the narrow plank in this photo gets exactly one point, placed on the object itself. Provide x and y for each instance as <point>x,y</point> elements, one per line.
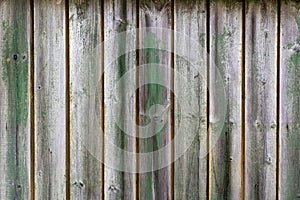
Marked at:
<point>289,101</point>
<point>49,87</point>
<point>120,16</point>
<point>86,179</point>
<point>14,99</point>
<point>155,98</point>
<point>190,175</point>
<point>225,162</point>
<point>260,114</point>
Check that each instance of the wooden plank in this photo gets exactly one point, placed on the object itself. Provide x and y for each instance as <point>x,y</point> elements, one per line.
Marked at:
<point>190,173</point>
<point>289,184</point>
<point>154,99</point>
<point>49,87</point>
<point>120,16</point>
<point>85,95</point>
<point>14,99</point>
<point>260,136</point>
<point>225,56</point>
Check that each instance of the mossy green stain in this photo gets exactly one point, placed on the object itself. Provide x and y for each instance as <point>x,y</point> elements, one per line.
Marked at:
<point>15,73</point>
<point>293,129</point>
<point>15,77</point>
<point>222,42</point>
<point>122,67</point>
<point>156,94</point>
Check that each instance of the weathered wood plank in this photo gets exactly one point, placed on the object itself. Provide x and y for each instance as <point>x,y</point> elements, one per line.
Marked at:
<point>49,87</point>
<point>225,56</point>
<point>14,100</point>
<point>120,16</point>
<point>85,95</point>
<point>190,173</point>
<point>260,130</point>
<point>155,99</point>
<point>290,101</point>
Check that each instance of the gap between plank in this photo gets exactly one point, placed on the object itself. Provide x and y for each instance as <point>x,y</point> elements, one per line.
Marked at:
<point>68,145</point>
<point>102,98</point>
<point>172,129</point>
<point>32,103</point>
<point>137,101</point>
<point>243,99</point>
<point>208,188</point>
<point>278,103</point>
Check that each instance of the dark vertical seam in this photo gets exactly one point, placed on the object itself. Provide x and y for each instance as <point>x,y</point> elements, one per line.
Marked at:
<point>172,130</point>
<point>32,103</point>
<point>278,103</point>
<point>172,103</point>
<point>208,98</point>
<point>102,98</point>
<point>137,99</point>
<point>68,158</point>
<point>243,99</point>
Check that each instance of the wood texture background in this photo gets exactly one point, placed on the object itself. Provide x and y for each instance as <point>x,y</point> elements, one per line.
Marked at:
<point>46,90</point>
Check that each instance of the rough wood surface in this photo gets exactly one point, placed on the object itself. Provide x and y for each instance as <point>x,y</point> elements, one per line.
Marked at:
<point>260,136</point>
<point>49,88</point>
<point>289,185</point>
<point>190,173</point>
<point>14,100</point>
<point>119,87</point>
<point>225,55</point>
<point>221,175</point>
<point>154,98</point>
<point>85,110</point>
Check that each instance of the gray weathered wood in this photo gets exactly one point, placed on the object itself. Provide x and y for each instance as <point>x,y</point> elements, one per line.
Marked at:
<point>49,88</point>
<point>221,175</point>
<point>190,173</point>
<point>85,96</point>
<point>14,100</point>
<point>289,185</point>
<point>120,16</point>
<point>225,55</point>
<point>155,99</point>
<point>260,119</point>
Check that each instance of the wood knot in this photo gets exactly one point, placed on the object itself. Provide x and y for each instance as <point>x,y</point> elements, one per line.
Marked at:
<point>15,57</point>
<point>113,188</point>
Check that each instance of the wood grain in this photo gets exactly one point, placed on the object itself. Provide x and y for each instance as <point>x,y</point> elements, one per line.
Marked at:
<point>255,156</point>
<point>261,33</point>
<point>14,100</point>
<point>190,175</point>
<point>120,16</point>
<point>85,96</point>
<point>50,84</point>
<point>289,185</point>
<point>225,57</point>
<point>154,98</point>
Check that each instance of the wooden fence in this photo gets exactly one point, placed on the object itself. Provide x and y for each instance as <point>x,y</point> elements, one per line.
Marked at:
<point>46,89</point>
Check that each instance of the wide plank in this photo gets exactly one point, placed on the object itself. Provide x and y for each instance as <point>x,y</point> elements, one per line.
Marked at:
<point>261,100</point>
<point>14,99</point>
<point>289,165</point>
<point>190,173</point>
<point>225,161</point>
<point>119,98</point>
<point>49,98</point>
<point>155,98</point>
<point>86,180</point>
